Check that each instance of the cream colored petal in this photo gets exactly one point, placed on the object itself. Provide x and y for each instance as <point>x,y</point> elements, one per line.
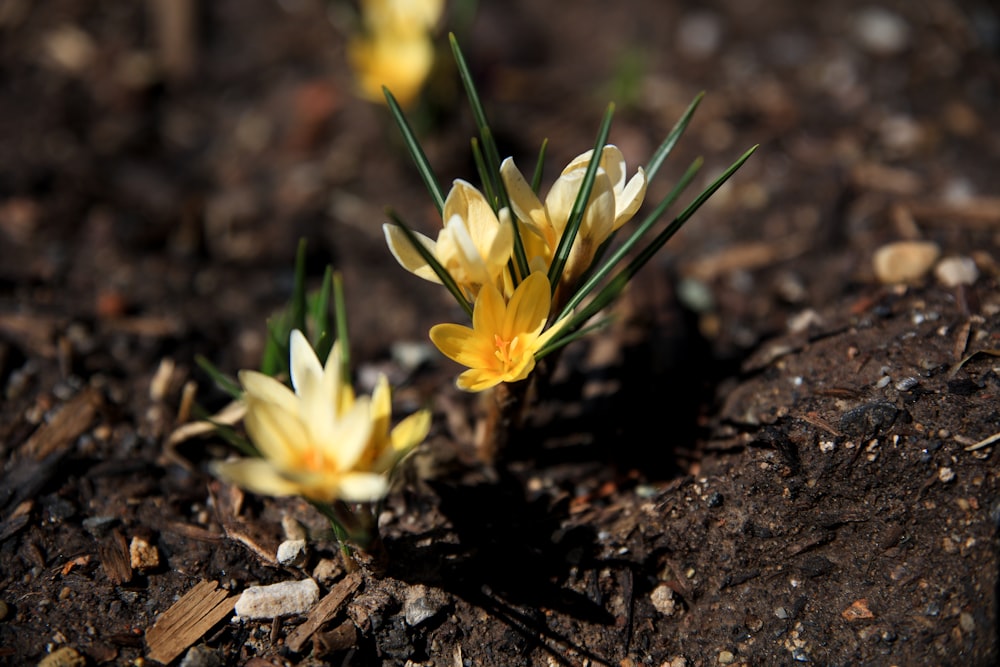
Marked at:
<point>613,162</point>
<point>362,487</point>
<point>265,388</point>
<point>579,163</point>
<point>467,254</point>
<point>599,216</point>
<point>278,434</point>
<point>468,203</point>
<point>407,255</point>
<point>527,207</point>
<point>351,436</point>
<point>630,199</point>
<point>315,389</point>
<point>255,475</point>
<point>559,200</point>
<point>502,247</point>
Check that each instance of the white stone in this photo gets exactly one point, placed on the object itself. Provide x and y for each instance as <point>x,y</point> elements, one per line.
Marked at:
<point>664,600</point>
<point>281,599</point>
<point>292,552</point>
<point>955,271</point>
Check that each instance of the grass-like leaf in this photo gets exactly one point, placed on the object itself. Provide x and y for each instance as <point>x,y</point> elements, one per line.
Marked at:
<point>580,204</point>
<point>668,144</point>
<point>298,316</point>
<point>484,174</point>
<point>320,309</point>
<point>340,308</point>
<point>536,179</point>
<point>223,381</point>
<point>490,151</point>
<point>416,151</point>
<point>436,266</point>
<point>618,283</point>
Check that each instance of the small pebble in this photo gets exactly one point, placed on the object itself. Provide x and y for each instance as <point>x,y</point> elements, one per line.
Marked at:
<point>664,600</point>
<point>143,555</point>
<point>421,604</point>
<point>726,657</point>
<point>946,474</point>
<point>904,261</point>
<point>955,271</point>
<point>881,32</point>
<point>281,599</point>
<point>292,552</point>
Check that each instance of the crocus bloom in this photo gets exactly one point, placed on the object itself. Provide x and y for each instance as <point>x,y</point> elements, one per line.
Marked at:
<point>612,203</point>
<point>505,336</point>
<point>318,441</point>
<point>474,245</point>
<point>395,50</point>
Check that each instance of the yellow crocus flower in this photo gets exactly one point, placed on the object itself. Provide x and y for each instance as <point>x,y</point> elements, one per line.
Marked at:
<point>474,245</point>
<point>505,336</point>
<point>612,203</point>
<point>318,441</point>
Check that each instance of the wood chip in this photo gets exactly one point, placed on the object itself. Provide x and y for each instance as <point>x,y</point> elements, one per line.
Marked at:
<point>115,559</point>
<point>66,426</point>
<point>188,620</point>
<point>326,609</point>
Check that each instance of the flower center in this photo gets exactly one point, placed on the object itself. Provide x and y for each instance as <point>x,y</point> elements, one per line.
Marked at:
<point>507,350</point>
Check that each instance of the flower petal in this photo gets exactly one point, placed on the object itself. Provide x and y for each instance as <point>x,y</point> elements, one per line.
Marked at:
<point>351,436</point>
<point>461,344</point>
<point>477,379</point>
<point>278,434</point>
<point>528,308</point>
<point>255,475</point>
<point>265,388</point>
<point>407,255</point>
<point>361,487</point>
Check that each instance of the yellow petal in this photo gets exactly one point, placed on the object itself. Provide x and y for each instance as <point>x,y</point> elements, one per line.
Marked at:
<point>477,379</point>
<point>630,199</point>
<point>488,313</point>
<point>255,475</point>
<point>411,431</point>
<point>528,308</point>
<point>461,344</point>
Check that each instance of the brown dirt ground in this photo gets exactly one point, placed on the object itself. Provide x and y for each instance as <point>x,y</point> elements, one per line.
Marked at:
<point>767,460</point>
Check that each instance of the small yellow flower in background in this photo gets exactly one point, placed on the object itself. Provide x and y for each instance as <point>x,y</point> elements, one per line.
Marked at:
<point>504,338</point>
<point>319,441</point>
<point>613,202</point>
<point>474,245</point>
<point>395,50</point>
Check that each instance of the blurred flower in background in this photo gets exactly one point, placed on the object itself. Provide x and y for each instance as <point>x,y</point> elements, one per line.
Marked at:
<point>395,47</point>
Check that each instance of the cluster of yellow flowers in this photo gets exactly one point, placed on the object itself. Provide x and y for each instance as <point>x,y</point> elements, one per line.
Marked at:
<point>476,247</point>
<point>394,49</point>
<point>320,441</point>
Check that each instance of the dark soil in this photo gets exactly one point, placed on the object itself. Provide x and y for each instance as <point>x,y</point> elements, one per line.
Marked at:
<point>770,458</point>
